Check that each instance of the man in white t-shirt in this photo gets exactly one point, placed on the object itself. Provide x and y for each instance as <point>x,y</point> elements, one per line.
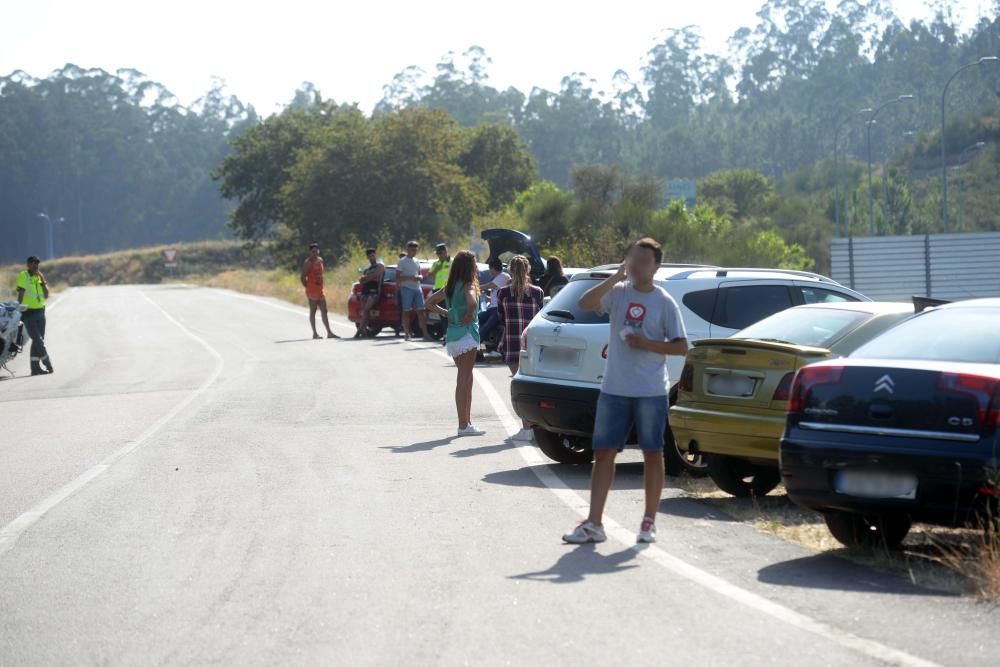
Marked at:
<point>489,319</point>
<point>411,294</point>
<point>646,326</point>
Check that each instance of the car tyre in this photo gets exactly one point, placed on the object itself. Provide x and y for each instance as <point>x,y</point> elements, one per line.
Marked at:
<point>677,461</point>
<point>741,478</point>
<point>562,448</point>
<point>858,531</point>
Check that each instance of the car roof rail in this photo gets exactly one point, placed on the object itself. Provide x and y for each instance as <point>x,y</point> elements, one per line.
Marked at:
<point>722,273</point>
<point>663,265</point>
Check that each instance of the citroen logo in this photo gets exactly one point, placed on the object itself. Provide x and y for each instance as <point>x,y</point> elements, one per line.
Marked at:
<point>885,383</point>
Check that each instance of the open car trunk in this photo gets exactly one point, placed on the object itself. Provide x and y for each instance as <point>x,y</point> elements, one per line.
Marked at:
<point>505,243</point>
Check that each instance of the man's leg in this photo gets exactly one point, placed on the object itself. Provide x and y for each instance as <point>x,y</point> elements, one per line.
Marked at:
<point>611,429</point>
<point>326,320</point>
<point>601,478</point>
<point>312,317</point>
<point>492,320</point>
<point>32,322</point>
<point>422,318</point>
<point>651,425</point>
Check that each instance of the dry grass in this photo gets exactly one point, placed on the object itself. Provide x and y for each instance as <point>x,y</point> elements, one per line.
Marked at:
<point>951,560</point>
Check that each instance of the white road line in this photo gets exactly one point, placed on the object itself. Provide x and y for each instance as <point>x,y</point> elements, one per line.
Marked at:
<point>298,310</point>
<point>615,530</point>
<point>13,530</point>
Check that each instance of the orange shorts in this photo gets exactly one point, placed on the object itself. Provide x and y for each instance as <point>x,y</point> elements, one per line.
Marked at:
<point>315,293</point>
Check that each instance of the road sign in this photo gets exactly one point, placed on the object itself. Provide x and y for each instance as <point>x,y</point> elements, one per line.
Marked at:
<point>171,255</point>
<point>681,189</point>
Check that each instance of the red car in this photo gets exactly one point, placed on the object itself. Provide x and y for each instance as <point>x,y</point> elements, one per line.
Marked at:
<point>386,313</point>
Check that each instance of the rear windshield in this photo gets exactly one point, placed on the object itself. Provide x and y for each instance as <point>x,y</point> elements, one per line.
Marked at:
<point>967,334</point>
<point>805,326</point>
<point>565,306</point>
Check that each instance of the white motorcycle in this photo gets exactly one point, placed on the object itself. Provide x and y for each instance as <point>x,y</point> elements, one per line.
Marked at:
<point>11,332</point>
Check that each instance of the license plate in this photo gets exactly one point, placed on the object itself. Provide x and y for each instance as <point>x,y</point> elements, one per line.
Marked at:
<point>874,484</point>
<point>730,385</point>
<point>558,356</point>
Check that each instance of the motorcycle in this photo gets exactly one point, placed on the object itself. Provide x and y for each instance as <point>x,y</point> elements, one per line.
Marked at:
<point>11,332</point>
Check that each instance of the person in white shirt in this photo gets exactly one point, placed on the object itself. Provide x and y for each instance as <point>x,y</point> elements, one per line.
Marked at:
<point>489,319</point>
<point>411,294</point>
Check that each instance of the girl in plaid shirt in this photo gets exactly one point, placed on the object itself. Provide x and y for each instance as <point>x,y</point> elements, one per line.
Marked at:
<point>518,303</point>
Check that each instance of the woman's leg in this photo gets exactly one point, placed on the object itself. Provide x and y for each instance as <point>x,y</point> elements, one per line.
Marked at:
<point>463,387</point>
<point>513,371</point>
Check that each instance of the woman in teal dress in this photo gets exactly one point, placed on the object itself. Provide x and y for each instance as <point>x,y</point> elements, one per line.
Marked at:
<point>461,295</point>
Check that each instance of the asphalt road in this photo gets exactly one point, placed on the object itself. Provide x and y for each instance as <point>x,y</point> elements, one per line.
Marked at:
<point>200,482</point>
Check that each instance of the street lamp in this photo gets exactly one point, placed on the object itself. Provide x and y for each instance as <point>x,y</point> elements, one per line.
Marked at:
<point>979,145</point>
<point>51,237</point>
<point>871,121</point>
<point>944,169</point>
<point>836,172</point>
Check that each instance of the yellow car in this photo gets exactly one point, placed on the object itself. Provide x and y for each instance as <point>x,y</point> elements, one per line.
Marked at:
<point>733,392</point>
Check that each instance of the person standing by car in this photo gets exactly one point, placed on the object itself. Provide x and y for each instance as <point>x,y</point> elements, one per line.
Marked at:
<point>441,267</point>
<point>489,319</point>
<point>461,295</point>
<point>553,279</point>
<point>312,279</point>
<point>646,326</point>
<point>411,295</point>
<point>32,291</point>
<point>371,289</point>
<point>517,304</point>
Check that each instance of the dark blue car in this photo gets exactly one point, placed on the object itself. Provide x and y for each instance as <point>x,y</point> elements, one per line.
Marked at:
<point>907,429</point>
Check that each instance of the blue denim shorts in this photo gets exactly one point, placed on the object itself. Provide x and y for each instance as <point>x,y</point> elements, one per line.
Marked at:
<point>616,415</point>
<point>410,299</point>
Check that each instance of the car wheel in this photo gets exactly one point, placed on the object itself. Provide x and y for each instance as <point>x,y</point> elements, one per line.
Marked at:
<point>562,448</point>
<point>372,331</point>
<point>741,478</point>
<point>856,530</point>
<point>679,461</point>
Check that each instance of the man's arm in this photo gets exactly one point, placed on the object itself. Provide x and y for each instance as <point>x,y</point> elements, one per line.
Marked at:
<point>676,347</point>
<point>20,295</point>
<point>305,272</point>
<point>591,299</point>
<point>45,285</point>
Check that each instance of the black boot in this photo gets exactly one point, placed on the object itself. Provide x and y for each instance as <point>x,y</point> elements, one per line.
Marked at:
<point>48,364</point>
<point>36,369</point>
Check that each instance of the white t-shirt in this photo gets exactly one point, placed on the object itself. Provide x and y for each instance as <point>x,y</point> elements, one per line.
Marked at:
<point>408,266</point>
<point>501,280</point>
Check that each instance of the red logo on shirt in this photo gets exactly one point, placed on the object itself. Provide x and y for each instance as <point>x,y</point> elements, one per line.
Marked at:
<point>635,314</point>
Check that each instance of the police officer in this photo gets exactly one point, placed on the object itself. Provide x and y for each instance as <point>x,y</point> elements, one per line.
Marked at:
<point>32,291</point>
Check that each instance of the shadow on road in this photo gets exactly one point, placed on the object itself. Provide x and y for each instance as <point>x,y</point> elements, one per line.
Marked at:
<point>421,446</point>
<point>692,508</point>
<point>829,572</point>
<point>299,340</point>
<point>580,562</point>
<point>628,476</point>
<point>488,449</point>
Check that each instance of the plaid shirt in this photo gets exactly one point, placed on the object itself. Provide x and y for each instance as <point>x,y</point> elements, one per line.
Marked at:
<point>515,314</point>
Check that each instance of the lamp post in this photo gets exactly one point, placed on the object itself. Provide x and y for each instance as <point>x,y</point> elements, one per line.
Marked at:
<point>961,182</point>
<point>836,167</point>
<point>944,168</point>
<point>51,235</point>
<point>870,122</point>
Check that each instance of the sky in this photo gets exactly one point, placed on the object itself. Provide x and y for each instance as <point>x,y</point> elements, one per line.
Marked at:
<point>265,49</point>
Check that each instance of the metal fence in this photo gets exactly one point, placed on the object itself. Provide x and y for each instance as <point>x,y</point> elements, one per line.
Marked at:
<point>942,266</point>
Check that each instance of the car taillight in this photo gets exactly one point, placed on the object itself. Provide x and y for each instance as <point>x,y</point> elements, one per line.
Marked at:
<point>784,389</point>
<point>807,378</point>
<point>686,382</point>
<point>985,391</point>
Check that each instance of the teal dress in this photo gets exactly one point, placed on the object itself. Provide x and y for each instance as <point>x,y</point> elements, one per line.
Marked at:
<point>456,311</point>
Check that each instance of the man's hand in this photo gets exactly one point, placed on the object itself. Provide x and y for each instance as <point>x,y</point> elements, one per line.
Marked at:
<point>620,274</point>
<point>637,342</point>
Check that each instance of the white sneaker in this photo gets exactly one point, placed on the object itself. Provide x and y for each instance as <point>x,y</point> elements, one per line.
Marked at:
<point>470,430</point>
<point>585,533</point>
<point>524,435</point>
<point>647,531</point>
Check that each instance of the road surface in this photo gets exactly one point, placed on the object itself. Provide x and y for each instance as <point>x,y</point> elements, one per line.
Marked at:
<point>200,482</point>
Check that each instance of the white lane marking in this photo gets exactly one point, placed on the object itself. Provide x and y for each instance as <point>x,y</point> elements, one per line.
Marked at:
<point>13,530</point>
<point>579,504</point>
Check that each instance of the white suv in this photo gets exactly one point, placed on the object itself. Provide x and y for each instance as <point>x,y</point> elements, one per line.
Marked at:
<point>563,350</point>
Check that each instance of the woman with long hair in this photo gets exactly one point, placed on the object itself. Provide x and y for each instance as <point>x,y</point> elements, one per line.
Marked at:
<point>461,296</point>
<point>554,278</point>
<point>518,303</point>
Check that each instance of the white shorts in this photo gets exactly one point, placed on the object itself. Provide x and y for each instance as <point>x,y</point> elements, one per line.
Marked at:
<point>461,346</point>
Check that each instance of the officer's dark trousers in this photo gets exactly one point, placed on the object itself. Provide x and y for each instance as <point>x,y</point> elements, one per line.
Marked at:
<point>34,322</point>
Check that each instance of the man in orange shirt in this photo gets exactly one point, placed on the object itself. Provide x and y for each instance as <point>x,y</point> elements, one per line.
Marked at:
<point>312,280</point>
